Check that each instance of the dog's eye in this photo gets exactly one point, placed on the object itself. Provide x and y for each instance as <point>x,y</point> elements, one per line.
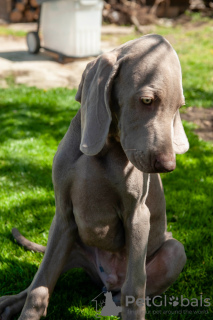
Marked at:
<point>146,100</point>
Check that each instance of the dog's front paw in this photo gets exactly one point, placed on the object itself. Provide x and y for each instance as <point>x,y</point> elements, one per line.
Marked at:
<point>36,304</point>
<point>133,313</point>
<point>11,305</point>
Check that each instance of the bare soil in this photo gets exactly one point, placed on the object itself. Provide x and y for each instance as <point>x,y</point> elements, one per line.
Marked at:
<point>203,118</point>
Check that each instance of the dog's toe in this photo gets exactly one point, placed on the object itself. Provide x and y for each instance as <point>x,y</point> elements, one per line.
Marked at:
<point>11,305</point>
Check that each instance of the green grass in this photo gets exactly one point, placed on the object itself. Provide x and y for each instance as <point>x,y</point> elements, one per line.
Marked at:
<point>33,122</point>
<point>7,31</point>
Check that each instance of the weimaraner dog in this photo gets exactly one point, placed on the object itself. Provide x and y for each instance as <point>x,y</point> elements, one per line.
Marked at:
<point>110,208</point>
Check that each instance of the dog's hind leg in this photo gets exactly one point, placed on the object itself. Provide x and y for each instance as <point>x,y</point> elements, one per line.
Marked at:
<point>165,266</point>
<point>166,256</point>
<point>162,269</point>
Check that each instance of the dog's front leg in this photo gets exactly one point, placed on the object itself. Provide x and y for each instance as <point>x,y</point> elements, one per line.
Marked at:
<point>137,227</point>
<point>60,242</point>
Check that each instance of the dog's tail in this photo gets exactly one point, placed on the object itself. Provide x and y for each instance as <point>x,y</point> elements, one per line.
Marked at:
<point>26,243</point>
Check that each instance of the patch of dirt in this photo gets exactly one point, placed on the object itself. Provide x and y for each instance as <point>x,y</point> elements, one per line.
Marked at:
<point>203,118</point>
<point>43,70</point>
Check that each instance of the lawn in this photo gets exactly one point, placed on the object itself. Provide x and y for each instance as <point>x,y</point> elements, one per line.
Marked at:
<point>7,31</point>
<point>34,121</point>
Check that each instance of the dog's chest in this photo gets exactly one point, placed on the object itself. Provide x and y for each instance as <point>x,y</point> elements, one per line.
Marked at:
<point>101,195</point>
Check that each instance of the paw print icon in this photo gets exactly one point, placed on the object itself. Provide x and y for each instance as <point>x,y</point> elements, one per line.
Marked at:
<point>173,301</point>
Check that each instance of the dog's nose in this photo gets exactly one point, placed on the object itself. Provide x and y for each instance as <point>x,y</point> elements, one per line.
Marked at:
<point>165,163</point>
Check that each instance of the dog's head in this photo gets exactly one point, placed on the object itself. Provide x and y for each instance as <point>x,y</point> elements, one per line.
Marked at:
<point>140,85</point>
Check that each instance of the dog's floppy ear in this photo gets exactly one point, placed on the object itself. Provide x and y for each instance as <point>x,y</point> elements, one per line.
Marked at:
<point>180,141</point>
<point>94,94</point>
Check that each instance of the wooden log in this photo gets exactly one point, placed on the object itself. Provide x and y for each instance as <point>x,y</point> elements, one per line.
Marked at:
<point>29,15</point>
<point>24,2</point>
<point>16,16</point>
<point>34,3</point>
<point>36,13</point>
<point>20,6</point>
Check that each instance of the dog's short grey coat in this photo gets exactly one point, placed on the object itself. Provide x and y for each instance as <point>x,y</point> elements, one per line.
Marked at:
<point>110,208</point>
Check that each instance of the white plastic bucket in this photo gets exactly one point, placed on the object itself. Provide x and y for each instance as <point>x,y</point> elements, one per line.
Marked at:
<point>72,27</point>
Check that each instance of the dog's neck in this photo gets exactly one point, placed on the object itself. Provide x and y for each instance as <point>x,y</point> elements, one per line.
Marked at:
<point>114,130</point>
<point>113,138</point>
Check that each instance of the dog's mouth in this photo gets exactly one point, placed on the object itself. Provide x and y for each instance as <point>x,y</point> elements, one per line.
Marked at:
<point>140,160</point>
<point>148,163</point>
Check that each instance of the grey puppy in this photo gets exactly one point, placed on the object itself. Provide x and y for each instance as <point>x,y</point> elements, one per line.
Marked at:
<point>110,208</point>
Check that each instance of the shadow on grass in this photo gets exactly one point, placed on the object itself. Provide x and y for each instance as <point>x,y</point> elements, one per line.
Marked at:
<point>74,290</point>
<point>19,274</point>
<point>24,174</point>
<point>188,192</point>
<point>34,113</point>
<point>36,123</point>
<point>189,187</point>
<point>31,216</point>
